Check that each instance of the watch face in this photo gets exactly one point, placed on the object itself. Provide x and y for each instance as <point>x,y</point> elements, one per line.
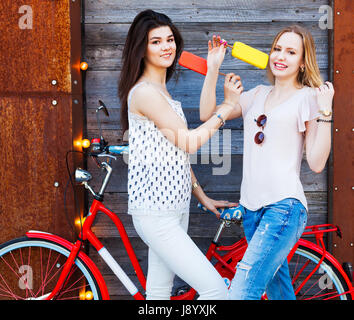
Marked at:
<point>326,113</point>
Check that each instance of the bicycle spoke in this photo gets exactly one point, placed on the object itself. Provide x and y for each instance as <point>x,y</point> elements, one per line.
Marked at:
<point>65,288</point>
<point>338,295</point>
<point>31,268</point>
<point>45,282</point>
<point>71,288</point>
<point>10,293</point>
<point>317,293</point>
<point>301,271</point>
<point>12,269</point>
<point>317,296</point>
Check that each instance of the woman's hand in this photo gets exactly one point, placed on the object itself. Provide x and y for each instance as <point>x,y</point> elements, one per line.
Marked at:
<point>232,89</point>
<point>216,53</point>
<point>212,205</point>
<point>325,95</point>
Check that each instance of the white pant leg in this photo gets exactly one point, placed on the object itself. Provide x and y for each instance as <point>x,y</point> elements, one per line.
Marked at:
<point>172,251</point>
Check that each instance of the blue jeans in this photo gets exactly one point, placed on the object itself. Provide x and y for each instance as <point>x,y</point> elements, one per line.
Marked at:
<point>271,232</point>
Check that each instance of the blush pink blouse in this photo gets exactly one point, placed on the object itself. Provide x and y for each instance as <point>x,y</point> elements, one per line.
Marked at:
<point>271,170</point>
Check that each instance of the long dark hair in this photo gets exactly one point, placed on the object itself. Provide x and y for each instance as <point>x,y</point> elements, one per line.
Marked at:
<point>134,51</point>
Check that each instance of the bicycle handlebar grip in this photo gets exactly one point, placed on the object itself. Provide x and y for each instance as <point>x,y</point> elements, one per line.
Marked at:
<point>228,213</point>
<point>118,149</point>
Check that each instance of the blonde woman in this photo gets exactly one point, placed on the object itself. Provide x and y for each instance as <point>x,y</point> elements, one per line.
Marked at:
<point>279,120</point>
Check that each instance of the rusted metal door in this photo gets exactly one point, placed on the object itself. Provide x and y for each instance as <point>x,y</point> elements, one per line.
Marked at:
<point>343,143</point>
<point>40,113</point>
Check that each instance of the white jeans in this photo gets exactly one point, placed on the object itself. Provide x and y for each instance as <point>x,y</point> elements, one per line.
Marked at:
<point>172,251</point>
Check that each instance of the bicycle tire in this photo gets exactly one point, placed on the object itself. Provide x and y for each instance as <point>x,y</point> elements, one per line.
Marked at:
<point>30,267</point>
<point>327,281</point>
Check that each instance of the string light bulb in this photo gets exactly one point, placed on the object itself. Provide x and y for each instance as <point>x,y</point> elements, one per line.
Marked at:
<point>82,295</point>
<point>88,295</point>
<point>77,143</point>
<point>86,143</point>
<point>85,295</point>
<point>83,65</point>
<point>79,222</point>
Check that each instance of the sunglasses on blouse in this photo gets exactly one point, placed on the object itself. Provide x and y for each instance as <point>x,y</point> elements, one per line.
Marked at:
<point>261,121</point>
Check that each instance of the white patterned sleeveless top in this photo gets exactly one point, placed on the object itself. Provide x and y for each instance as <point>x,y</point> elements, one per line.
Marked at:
<point>159,178</point>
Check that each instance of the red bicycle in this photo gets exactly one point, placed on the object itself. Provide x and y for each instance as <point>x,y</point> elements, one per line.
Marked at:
<point>43,266</point>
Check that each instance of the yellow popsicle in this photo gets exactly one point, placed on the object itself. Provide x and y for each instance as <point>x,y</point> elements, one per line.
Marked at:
<point>250,55</point>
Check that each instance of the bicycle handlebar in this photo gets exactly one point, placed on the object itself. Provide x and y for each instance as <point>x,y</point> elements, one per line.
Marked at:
<point>118,149</point>
<point>232,214</point>
<point>100,149</point>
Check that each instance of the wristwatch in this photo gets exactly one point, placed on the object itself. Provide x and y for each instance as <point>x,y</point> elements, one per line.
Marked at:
<point>325,113</point>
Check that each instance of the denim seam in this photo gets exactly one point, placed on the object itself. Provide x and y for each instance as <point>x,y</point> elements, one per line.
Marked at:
<point>280,289</point>
<point>286,221</point>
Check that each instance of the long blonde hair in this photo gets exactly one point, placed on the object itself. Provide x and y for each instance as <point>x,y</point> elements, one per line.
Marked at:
<point>311,75</point>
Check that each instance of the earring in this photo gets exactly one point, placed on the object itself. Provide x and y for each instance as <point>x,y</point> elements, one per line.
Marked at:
<point>302,68</point>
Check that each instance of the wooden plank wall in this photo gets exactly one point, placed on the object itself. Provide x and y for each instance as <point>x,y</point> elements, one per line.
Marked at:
<point>253,22</point>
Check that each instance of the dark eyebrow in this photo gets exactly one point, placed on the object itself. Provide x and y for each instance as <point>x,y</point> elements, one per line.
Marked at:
<point>152,38</point>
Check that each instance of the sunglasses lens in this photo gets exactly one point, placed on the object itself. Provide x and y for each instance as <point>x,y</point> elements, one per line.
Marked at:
<point>261,121</point>
<point>259,137</point>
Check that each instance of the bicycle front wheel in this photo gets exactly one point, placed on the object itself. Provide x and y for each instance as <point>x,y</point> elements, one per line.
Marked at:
<point>30,268</point>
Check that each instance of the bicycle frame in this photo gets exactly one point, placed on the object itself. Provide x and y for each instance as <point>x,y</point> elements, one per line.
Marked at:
<point>238,249</point>
<point>321,249</point>
<point>235,250</point>
<point>87,234</point>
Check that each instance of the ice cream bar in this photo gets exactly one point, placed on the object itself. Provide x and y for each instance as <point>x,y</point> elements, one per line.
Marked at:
<point>249,55</point>
<point>195,63</point>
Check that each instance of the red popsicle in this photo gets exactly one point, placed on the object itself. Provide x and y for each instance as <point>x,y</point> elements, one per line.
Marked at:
<point>195,63</point>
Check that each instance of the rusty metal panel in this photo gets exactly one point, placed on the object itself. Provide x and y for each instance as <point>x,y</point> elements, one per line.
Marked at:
<point>31,174</point>
<point>343,175</point>
<point>39,120</point>
<point>35,46</point>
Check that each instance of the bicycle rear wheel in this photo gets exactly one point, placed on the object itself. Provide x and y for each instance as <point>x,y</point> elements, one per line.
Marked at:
<point>326,283</point>
<point>30,268</point>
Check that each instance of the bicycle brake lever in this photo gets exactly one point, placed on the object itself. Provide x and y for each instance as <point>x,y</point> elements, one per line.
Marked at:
<point>107,155</point>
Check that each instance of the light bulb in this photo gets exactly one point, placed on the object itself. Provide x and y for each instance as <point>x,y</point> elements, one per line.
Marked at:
<point>89,295</point>
<point>83,65</point>
<point>85,143</point>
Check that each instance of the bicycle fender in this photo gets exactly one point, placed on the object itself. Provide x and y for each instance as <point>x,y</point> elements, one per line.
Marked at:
<point>33,234</point>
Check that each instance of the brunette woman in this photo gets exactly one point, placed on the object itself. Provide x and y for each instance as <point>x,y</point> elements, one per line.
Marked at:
<point>160,178</point>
